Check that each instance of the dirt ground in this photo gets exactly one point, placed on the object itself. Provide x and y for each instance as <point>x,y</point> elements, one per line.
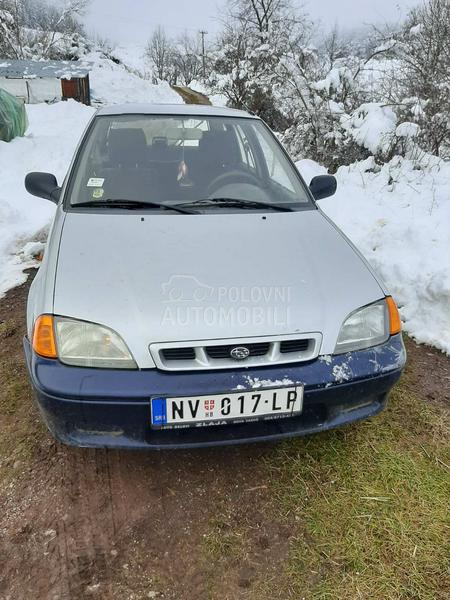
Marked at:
<point>190,96</point>
<point>77,523</point>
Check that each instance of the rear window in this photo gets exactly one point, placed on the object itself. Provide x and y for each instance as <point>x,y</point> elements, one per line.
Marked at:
<point>176,159</point>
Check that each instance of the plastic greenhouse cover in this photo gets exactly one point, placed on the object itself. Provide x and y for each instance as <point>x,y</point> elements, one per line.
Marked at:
<point>13,117</point>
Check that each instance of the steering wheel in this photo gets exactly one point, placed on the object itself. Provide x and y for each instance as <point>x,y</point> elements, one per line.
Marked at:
<point>231,177</point>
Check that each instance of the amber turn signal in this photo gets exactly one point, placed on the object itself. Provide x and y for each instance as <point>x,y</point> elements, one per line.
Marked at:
<point>395,324</point>
<point>44,337</point>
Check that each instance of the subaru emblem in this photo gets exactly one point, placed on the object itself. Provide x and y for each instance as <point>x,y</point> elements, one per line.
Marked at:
<point>239,353</point>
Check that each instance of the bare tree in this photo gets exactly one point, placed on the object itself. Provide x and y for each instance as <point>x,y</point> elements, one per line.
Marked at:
<point>262,15</point>
<point>160,52</point>
<point>187,58</point>
<point>334,46</point>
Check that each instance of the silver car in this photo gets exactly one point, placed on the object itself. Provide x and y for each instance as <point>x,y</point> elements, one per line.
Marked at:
<point>193,293</point>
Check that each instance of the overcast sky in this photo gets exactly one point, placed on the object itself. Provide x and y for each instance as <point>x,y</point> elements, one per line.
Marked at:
<point>133,20</point>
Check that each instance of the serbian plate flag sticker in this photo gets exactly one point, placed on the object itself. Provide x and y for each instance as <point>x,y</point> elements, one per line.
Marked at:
<point>159,413</point>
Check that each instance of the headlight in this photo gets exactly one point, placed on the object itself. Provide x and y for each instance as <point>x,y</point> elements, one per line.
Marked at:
<point>366,327</point>
<point>89,345</point>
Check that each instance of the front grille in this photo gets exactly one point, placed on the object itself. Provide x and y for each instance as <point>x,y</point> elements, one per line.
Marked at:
<point>293,346</point>
<point>257,349</point>
<point>263,351</point>
<point>178,353</point>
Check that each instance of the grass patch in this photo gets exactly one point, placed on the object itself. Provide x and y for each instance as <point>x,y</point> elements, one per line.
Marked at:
<point>372,502</point>
<point>222,541</point>
<point>7,329</point>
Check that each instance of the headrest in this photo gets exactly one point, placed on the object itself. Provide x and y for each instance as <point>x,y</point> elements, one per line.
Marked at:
<point>220,146</point>
<point>127,147</point>
<point>159,141</point>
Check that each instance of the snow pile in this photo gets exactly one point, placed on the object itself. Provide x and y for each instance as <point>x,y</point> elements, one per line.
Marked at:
<point>133,57</point>
<point>309,169</point>
<point>113,83</point>
<point>48,146</point>
<point>398,216</point>
<point>336,79</point>
<point>407,130</point>
<point>372,126</point>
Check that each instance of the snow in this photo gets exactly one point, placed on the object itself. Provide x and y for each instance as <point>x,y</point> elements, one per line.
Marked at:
<point>113,83</point>
<point>133,56</point>
<point>49,144</point>
<point>407,130</point>
<point>384,47</point>
<point>326,358</point>
<point>372,126</point>
<point>33,249</point>
<point>342,373</point>
<point>334,80</point>
<point>376,71</point>
<point>256,382</point>
<point>398,218</point>
<point>215,99</point>
<point>335,108</point>
<point>416,29</point>
<point>309,169</point>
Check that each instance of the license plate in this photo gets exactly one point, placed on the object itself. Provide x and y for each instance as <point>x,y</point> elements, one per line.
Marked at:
<point>235,407</point>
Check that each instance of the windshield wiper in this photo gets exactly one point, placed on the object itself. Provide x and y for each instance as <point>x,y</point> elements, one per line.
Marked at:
<point>131,205</point>
<point>239,202</point>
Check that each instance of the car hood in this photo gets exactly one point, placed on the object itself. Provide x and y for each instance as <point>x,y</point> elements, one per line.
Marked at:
<point>171,277</point>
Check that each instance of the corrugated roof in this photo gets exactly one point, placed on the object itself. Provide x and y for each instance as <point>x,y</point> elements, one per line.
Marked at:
<point>31,69</point>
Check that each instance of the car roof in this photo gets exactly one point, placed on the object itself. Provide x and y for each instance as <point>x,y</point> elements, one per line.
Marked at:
<point>198,110</point>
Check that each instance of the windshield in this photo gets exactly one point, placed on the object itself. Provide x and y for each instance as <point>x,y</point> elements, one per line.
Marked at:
<point>178,160</point>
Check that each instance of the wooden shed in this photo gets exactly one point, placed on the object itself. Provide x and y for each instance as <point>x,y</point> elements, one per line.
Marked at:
<point>49,81</point>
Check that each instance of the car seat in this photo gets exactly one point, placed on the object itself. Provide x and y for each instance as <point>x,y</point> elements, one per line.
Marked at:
<point>127,148</point>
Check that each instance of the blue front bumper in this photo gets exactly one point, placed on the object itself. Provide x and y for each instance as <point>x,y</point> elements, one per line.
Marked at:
<point>111,408</point>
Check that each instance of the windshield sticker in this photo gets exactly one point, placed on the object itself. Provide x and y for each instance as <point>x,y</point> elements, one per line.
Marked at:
<point>95,182</point>
<point>97,193</point>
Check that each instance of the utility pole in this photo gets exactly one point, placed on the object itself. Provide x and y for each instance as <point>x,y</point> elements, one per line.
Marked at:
<point>203,33</point>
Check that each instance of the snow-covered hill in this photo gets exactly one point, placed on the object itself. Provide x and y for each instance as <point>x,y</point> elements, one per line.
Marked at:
<point>113,83</point>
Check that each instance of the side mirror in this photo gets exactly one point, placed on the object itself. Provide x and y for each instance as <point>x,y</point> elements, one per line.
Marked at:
<point>43,185</point>
<point>323,186</point>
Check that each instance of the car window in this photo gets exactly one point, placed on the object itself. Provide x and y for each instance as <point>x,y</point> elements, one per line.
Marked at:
<point>245,149</point>
<point>177,159</point>
<point>274,165</point>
